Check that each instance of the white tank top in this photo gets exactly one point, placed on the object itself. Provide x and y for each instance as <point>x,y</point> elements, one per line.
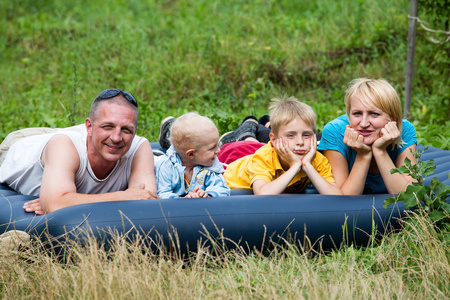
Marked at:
<point>22,169</point>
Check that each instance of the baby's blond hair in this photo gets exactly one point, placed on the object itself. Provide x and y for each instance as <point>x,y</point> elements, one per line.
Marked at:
<point>188,130</point>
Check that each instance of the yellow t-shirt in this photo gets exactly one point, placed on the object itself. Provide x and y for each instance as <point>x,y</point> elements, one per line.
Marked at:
<point>265,165</point>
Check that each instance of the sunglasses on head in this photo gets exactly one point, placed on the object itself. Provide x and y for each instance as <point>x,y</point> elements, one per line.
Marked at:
<point>110,93</point>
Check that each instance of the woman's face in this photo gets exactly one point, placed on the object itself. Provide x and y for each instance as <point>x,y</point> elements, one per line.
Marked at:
<point>367,121</point>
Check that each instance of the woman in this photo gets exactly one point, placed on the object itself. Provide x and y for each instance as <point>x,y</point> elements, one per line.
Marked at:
<point>364,145</point>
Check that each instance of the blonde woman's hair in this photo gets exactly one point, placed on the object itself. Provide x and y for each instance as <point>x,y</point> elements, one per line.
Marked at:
<point>376,93</point>
<point>187,131</point>
<point>285,109</point>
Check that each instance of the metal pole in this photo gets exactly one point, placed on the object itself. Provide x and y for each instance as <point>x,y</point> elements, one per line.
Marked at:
<point>410,58</point>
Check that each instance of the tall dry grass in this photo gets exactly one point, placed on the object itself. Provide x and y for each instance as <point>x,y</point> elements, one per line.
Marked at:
<point>413,264</point>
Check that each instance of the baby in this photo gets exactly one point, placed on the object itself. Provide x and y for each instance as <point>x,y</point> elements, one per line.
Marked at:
<point>190,167</point>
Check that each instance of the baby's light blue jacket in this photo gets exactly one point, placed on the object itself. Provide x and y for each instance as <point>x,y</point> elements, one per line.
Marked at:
<point>169,173</point>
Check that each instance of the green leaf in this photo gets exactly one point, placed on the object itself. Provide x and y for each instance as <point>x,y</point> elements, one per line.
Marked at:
<point>401,170</point>
<point>407,162</point>
<point>410,201</point>
<point>446,206</point>
<point>427,167</point>
<point>388,201</point>
<point>437,215</point>
<point>442,189</point>
<point>434,183</point>
<point>413,195</point>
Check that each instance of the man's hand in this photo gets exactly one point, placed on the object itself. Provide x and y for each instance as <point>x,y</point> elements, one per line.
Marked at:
<point>131,194</point>
<point>34,206</point>
<point>355,141</point>
<point>140,193</point>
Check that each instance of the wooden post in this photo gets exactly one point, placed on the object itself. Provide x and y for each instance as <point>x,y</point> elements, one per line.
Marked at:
<point>410,58</point>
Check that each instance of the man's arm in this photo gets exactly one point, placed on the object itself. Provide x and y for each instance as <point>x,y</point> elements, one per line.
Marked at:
<point>61,162</point>
<point>143,170</point>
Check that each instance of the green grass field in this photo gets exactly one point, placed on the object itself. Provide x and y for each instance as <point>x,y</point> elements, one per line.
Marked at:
<point>226,60</point>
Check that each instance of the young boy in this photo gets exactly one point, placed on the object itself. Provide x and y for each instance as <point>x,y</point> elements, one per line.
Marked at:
<point>190,168</point>
<point>289,162</point>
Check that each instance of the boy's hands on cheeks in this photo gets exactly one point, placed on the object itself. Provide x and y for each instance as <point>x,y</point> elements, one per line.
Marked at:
<point>286,155</point>
<point>389,133</point>
<point>309,157</point>
<point>355,141</point>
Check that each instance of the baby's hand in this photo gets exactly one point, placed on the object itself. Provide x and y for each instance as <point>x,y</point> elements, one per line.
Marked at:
<point>201,193</point>
<point>191,195</point>
<point>197,193</point>
<point>285,154</point>
<point>389,133</point>
<point>309,157</point>
<point>355,141</point>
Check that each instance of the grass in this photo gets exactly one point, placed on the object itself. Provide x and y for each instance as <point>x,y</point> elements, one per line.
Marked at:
<point>224,59</point>
<point>411,264</point>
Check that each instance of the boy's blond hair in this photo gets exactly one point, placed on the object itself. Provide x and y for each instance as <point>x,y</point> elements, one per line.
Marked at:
<point>285,109</point>
<point>376,93</point>
<point>187,131</point>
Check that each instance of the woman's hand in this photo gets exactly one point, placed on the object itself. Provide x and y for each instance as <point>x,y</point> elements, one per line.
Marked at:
<point>354,140</point>
<point>389,134</point>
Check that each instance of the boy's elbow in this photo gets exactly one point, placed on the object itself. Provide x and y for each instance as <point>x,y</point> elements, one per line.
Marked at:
<point>338,192</point>
<point>334,190</point>
<point>262,192</point>
<point>329,188</point>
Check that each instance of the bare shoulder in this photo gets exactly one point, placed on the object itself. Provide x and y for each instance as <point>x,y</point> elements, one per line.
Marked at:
<point>143,156</point>
<point>59,142</point>
<point>333,155</point>
<point>144,150</point>
<point>60,148</point>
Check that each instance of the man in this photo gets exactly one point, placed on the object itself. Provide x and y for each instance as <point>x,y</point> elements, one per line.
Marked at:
<point>102,160</point>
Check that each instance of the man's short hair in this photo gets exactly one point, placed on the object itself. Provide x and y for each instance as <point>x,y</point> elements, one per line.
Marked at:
<point>119,99</point>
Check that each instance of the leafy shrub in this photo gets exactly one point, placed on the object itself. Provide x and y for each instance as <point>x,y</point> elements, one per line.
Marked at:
<point>431,199</point>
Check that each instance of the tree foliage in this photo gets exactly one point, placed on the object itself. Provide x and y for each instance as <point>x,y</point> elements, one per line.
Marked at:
<point>437,12</point>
